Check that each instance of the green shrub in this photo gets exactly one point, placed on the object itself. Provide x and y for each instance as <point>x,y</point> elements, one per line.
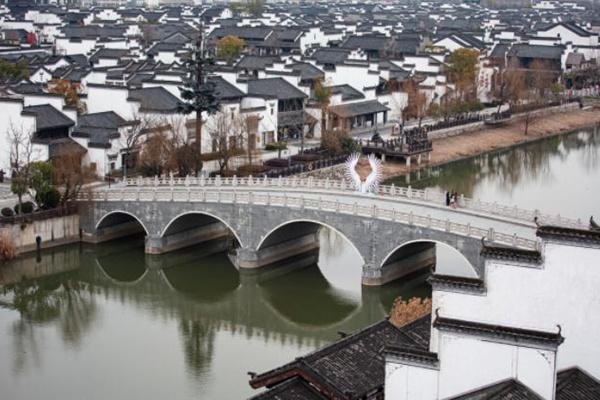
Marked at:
<point>7,212</point>
<point>48,199</point>
<point>26,208</point>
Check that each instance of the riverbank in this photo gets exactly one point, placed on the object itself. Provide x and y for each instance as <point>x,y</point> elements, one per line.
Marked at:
<point>469,144</point>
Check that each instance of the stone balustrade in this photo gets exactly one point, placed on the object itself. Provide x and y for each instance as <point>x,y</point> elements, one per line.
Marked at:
<point>431,196</point>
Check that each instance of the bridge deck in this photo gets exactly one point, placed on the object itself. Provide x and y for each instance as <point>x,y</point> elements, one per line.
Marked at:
<point>502,224</point>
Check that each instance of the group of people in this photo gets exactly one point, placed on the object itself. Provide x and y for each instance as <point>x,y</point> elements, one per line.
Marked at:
<point>452,199</point>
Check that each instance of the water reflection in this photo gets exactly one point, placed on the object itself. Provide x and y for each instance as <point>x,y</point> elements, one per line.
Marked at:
<point>558,175</point>
<point>111,301</point>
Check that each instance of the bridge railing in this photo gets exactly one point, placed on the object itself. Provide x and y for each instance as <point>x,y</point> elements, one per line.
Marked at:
<point>432,196</point>
<point>298,201</point>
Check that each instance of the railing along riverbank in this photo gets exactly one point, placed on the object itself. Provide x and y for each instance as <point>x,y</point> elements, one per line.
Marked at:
<point>299,201</point>
<point>430,196</point>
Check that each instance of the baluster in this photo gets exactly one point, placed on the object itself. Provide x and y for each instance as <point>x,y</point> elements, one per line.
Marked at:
<point>491,234</point>
<point>447,225</point>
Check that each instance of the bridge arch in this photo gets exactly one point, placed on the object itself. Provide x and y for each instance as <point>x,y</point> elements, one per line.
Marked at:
<point>169,227</point>
<point>264,241</point>
<point>420,253</point>
<point>119,223</point>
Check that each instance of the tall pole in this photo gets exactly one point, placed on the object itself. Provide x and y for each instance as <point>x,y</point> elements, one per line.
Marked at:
<point>199,82</point>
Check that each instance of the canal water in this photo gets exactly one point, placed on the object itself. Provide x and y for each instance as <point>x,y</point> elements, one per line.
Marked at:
<point>108,321</point>
<point>559,175</point>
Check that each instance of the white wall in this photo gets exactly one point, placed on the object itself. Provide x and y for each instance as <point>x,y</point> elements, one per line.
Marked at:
<point>559,293</point>
<point>398,379</point>
<point>11,118</point>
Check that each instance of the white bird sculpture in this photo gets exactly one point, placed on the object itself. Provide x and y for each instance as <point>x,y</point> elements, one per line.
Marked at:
<point>370,183</point>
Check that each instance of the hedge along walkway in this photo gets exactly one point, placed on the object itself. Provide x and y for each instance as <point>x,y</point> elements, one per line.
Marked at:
<point>489,139</point>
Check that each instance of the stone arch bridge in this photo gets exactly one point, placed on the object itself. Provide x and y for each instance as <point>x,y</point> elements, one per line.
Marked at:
<point>267,220</point>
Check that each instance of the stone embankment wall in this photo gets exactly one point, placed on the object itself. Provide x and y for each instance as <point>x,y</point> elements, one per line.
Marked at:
<point>51,232</point>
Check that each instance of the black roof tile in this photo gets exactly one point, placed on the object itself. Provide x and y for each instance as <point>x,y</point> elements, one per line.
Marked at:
<point>505,390</point>
<point>574,384</point>
<point>274,88</point>
<point>48,117</point>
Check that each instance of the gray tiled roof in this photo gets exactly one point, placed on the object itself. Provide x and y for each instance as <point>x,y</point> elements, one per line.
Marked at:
<point>354,365</point>
<point>505,390</point>
<point>330,56</point>
<point>107,119</point>
<point>225,90</point>
<point>535,51</point>
<point>359,108</point>
<point>251,62</point>
<point>155,99</point>
<point>48,117</point>
<point>293,389</point>
<point>347,92</point>
<point>277,88</point>
<point>574,384</point>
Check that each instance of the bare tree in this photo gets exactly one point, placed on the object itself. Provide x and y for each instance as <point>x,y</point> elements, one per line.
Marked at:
<point>156,154</point>
<point>70,176</point>
<point>417,102</point>
<point>142,125</point>
<point>249,130</point>
<point>225,131</point>
<point>21,152</point>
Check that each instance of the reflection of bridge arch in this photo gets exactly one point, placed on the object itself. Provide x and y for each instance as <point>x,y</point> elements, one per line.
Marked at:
<point>217,289</point>
<point>118,282</point>
<point>247,305</point>
<point>102,221</point>
<point>389,258</point>
<point>169,225</point>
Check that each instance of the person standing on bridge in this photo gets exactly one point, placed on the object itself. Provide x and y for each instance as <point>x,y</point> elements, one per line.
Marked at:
<point>447,198</point>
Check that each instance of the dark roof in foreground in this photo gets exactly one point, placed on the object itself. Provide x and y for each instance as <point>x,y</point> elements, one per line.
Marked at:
<point>569,234</point>
<point>500,333</point>
<point>505,390</point>
<point>575,384</point>
<point>353,367</point>
<point>292,389</point>
<point>510,254</point>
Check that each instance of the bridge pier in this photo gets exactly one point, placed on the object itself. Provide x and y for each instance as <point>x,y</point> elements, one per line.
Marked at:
<point>163,244</point>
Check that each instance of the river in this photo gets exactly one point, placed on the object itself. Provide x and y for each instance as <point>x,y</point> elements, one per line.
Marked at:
<point>108,321</point>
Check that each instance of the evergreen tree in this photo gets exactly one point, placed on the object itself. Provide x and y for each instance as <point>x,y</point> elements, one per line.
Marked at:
<point>197,93</point>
